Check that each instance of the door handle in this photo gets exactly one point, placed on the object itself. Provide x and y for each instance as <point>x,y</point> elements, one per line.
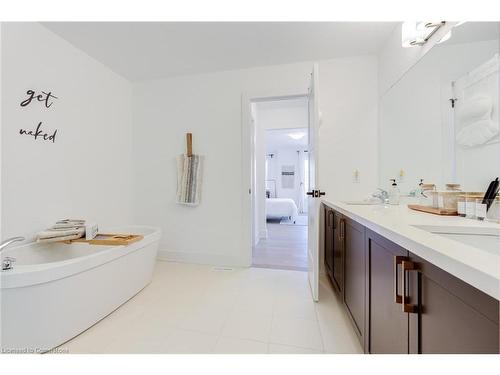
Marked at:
<point>398,260</point>
<point>408,266</point>
<point>315,193</point>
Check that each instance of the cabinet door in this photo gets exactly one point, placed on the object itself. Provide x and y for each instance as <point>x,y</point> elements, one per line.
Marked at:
<point>329,224</point>
<point>452,316</point>
<point>386,323</point>
<point>354,274</point>
<point>338,252</point>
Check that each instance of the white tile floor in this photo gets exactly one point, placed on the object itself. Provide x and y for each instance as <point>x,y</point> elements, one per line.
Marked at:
<point>198,309</point>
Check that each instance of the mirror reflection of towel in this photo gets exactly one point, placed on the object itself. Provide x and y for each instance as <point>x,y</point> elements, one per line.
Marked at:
<point>476,124</point>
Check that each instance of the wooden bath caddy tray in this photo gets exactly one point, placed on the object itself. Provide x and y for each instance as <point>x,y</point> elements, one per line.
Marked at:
<point>433,210</point>
<point>111,239</point>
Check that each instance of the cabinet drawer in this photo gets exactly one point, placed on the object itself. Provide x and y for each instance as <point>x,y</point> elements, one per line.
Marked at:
<point>453,316</point>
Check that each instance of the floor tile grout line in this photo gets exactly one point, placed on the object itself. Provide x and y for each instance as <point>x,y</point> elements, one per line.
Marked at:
<point>230,309</point>
<point>319,328</point>
<point>296,346</point>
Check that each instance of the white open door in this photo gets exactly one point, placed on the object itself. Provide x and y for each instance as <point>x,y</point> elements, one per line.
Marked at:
<point>313,192</point>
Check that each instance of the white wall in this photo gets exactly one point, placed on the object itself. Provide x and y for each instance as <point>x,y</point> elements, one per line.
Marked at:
<point>283,114</point>
<point>209,105</point>
<point>1,116</point>
<point>348,138</point>
<point>86,173</point>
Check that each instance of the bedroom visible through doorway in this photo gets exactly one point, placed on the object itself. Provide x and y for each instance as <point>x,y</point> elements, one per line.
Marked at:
<point>281,182</point>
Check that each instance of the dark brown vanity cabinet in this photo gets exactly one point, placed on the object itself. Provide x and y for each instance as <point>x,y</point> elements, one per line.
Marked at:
<point>401,303</point>
<point>338,252</point>
<point>328,242</point>
<point>345,264</point>
<point>334,248</point>
<point>387,323</point>
<point>415,307</point>
<point>354,273</point>
<point>450,315</point>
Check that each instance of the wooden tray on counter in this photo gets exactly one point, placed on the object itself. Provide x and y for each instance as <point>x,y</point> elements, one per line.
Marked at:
<point>110,239</point>
<point>433,210</point>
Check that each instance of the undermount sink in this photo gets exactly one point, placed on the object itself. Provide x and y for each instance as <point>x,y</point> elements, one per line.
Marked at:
<point>484,238</point>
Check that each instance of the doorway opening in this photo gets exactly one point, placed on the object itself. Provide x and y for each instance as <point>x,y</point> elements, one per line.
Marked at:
<point>281,174</point>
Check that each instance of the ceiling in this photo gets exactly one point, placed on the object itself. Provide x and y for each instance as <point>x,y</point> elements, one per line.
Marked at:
<point>279,139</point>
<point>151,50</point>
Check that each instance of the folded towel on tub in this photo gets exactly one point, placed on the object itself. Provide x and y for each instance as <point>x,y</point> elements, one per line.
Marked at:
<point>63,230</point>
<point>189,175</point>
<point>60,234</point>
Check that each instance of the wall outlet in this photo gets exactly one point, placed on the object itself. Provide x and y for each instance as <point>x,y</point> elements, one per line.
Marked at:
<point>355,176</point>
<point>401,175</point>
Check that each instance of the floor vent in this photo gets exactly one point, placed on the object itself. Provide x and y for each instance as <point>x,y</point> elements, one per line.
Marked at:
<point>222,269</point>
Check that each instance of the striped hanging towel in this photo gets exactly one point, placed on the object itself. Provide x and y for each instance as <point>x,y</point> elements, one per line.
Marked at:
<point>189,170</point>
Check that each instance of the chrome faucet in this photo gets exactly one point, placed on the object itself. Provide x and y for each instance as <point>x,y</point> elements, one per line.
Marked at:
<point>8,262</point>
<point>381,194</point>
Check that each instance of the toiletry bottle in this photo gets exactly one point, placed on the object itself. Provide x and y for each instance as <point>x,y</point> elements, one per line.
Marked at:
<point>394,193</point>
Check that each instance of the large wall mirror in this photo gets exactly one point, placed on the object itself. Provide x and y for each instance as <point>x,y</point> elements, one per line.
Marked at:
<point>440,121</point>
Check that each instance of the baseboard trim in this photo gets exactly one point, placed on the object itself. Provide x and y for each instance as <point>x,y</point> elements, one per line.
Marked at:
<point>221,260</point>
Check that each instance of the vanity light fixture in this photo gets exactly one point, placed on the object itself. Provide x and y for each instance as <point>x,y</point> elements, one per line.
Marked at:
<point>418,33</point>
<point>297,136</point>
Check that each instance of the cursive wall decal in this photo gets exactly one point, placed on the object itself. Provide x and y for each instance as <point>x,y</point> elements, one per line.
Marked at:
<point>43,97</point>
<point>39,133</point>
<point>47,98</point>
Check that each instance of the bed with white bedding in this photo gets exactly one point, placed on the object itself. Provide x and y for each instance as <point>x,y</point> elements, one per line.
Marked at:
<point>281,207</point>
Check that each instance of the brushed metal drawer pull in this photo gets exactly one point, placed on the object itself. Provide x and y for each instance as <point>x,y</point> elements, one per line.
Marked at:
<point>342,229</point>
<point>398,260</point>
<point>408,266</point>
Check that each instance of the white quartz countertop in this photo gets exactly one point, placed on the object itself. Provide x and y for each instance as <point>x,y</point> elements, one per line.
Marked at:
<point>477,267</point>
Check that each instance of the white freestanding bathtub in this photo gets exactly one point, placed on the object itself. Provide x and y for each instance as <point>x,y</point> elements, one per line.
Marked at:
<point>56,291</point>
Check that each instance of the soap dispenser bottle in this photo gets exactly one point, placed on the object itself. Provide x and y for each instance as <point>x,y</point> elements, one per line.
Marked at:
<point>394,193</point>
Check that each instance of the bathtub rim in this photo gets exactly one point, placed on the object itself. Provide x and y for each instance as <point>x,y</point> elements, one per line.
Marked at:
<point>33,274</point>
